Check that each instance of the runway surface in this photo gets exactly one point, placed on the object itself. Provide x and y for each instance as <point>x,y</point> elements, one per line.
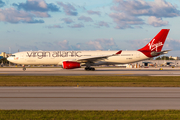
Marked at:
<point>99,71</point>
<point>89,98</point>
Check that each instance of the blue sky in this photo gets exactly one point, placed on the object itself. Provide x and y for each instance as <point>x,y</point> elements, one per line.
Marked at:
<point>88,25</point>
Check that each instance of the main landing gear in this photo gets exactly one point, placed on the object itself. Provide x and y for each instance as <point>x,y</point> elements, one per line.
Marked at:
<point>89,68</point>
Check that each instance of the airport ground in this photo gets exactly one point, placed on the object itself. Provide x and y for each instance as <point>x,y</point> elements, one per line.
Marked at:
<point>91,81</point>
<point>116,71</point>
<point>88,115</point>
<point>92,98</point>
<point>89,98</point>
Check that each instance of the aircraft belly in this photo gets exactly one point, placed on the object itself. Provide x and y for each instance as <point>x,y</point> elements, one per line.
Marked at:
<point>119,59</point>
<point>126,59</point>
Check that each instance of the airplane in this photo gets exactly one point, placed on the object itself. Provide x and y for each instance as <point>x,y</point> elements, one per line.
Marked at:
<point>76,59</point>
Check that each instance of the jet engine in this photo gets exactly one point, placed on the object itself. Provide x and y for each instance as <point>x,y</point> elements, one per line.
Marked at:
<point>70,65</point>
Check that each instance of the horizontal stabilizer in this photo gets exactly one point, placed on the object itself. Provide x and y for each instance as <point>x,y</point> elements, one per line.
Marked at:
<point>154,53</point>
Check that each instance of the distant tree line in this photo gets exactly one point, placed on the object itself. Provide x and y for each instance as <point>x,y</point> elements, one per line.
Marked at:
<point>164,58</point>
<point>4,61</point>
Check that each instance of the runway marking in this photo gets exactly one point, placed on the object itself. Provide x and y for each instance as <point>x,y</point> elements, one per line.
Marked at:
<point>89,97</point>
<point>122,74</point>
<point>166,75</point>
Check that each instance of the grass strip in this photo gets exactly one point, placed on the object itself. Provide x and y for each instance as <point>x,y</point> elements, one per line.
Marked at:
<point>88,115</point>
<point>103,81</point>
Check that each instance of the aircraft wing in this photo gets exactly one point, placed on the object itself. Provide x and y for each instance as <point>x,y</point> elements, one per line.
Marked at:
<point>96,58</point>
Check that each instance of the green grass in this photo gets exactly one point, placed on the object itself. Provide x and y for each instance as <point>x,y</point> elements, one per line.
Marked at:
<point>110,81</point>
<point>88,115</point>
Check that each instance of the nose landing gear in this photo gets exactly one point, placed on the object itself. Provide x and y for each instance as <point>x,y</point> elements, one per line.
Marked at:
<point>24,68</point>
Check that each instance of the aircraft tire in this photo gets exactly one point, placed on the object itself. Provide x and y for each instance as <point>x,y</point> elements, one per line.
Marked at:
<point>93,69</point>
<point>89,68</point>
<point>86,68</point>
<point>24,69</point>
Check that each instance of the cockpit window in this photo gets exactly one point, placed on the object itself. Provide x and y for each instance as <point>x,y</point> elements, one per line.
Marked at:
<point>12,56</point>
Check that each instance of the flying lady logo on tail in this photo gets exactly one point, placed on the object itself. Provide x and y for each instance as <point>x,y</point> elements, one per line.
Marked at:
<point>153,46</point>
<point>156,44</point>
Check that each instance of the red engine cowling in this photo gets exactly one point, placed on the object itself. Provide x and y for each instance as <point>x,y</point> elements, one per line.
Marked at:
<point>70,65</point>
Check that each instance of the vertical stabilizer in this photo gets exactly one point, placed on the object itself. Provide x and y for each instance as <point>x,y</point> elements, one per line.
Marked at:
<point>157,42</point>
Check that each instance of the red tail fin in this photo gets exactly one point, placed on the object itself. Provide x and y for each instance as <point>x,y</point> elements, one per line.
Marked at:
<point>157,42</point>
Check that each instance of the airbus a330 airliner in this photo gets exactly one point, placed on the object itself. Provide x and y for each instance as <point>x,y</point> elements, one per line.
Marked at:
<point>76,59</point>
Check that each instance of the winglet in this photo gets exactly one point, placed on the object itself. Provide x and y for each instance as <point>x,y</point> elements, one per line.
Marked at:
<point>119,52</point>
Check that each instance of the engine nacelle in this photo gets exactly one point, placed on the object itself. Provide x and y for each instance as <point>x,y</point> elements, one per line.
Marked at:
<point>70,65</point>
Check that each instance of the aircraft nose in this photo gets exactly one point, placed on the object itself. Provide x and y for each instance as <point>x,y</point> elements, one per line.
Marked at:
<point>9,59</point>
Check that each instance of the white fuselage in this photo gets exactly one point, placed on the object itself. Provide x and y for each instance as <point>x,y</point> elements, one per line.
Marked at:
<point>57,57</point>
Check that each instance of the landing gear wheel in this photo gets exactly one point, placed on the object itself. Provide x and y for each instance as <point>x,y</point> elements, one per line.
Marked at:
<point>93,69</point>
<point>24,69</point>
<point>90,68</point>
